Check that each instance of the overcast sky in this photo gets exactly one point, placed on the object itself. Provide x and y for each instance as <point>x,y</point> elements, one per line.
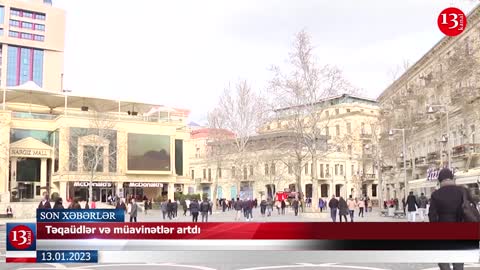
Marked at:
<point>183,53</point>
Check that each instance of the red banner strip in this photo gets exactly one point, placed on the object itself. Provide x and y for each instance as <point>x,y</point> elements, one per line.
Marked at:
<point>261,231</point>
<point>21,260</point>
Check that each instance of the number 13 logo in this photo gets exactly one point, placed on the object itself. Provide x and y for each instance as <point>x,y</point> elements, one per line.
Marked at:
<point>452,21</point>
<point>21,236</point>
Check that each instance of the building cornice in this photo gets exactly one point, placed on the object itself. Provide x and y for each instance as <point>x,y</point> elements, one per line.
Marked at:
<point>446,42</point>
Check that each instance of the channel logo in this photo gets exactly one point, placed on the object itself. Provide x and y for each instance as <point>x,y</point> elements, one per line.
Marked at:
<point>21,236</point>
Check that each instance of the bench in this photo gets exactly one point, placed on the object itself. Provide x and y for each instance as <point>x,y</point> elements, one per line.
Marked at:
<point>398,214</point>
<point>384,212</point>
<point>5,216</point>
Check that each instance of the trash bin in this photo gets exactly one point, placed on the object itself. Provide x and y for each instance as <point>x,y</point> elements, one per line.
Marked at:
<point>391,212</point>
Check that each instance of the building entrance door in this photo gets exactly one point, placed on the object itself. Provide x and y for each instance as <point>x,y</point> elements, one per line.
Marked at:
<point>26,190</point>
<point>104,193</point>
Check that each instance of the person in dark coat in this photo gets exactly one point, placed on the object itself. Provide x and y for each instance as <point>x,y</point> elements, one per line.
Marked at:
<point>333,205</point>
<point>184,207</point>
<point>205,209</point>
<point>58,204</point>
<point>263,207</point>
<point>121,205</point>
<point>343,209</point>
<point>284,205</point>
<point>194,209</point>
<point>295,206</point>
<point>45,203</point>
<point>412,205</point>
<point>446,205</point>
<point>170,209</point>
<point>75,204</point>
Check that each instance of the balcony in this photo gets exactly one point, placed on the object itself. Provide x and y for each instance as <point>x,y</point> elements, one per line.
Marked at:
<point>365,136</point>
<point>369,177</point>
<point>432,156</point>
<point>27,115</point>
<point>421,162</point>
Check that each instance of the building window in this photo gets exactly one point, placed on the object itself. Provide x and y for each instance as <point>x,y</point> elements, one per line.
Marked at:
<point>290,168</point>
<point>204,173</point>
<point>21,68</point>
<point>349,128</point>
<point>324,191</point>
<point>353,170</point>
<point>348,110</point>
<point>14,23</point>
<point>15,12</point>
<point>374,190</point>
<point>327,170</point>
<point>251,170</point>
<point>209,174</point>
<point>336,169</point>
<point>306,169</point>
<point>337,111</point>
<point>322,175</point>
<point>327,113</point>
<point>40,27</point>
<point>362,128</point>
<point>245,173</point>
<point>1,34</point>
<point>327,131</point>
<point>233,171</point>
<point>341,169</point>
<point>39,38</point>
<point>2,14</point>
<point>337,130</point>
<point>266,169</point>
<point>27,14</point>
<point>27,25</point>
<point>27,36</point>
<point>349,149</point>
<point>219,172</point>
<point>40,16</point>
<point>272,169</point>
<point>193,174</point>
<point>13,34</point>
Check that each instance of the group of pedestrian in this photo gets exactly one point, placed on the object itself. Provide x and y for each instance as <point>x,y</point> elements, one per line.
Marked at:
<point>169,209</point>
<point>266,207</point>
<point>346,208</point>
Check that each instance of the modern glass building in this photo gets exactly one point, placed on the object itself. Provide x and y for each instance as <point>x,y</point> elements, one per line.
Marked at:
<point>27,52</point>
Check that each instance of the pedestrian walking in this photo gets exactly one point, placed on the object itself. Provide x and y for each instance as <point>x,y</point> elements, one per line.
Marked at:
<point>248,209</point>
<point>343,209</point>
<point>361,207</point>
<point>412,205</point>
<point>269,207</point>
<point>164,209</point>
<point>278,205</point>
<point>74,204</point>
<point>295,206</point>
<point>170,209</point>
<point>321,204</point>
<point>58,204</point>
<point>185,208</point>
<point>121,205</point>
<point>210,203</point>
<point>175,209</point>
<point>451,203</point>
<point>351,207</point>
<point>9,212</point>
<point>263,207</point>
<point>333,205</point>
<point>283,206</point>
<point>205,208</point>
<point>238,208</point>
<point>45,203</point>
<point>366,204</point>
<point>133,211</point>
<point>422,206</point>
<point>194,209</point>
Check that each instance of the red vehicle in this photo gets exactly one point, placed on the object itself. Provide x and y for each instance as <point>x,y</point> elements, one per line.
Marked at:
<point>284,195</point>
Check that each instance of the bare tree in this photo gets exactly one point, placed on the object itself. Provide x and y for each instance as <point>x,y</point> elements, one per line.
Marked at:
<point>241,111</point>
<point>93,150</point>
<point>302,93</point>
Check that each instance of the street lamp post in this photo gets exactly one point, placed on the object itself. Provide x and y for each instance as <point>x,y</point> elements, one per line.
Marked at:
<point>449,148</point>
<point>404,154</point>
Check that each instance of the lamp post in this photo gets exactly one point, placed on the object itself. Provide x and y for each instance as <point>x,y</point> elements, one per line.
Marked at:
<point>391,133</point>
<point>449,148</point>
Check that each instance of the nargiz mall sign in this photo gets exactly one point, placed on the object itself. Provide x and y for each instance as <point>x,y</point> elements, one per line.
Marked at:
<point>20,152</point>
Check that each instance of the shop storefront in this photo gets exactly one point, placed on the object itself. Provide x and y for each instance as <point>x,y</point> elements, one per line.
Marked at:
<point>100,190</point>
<point>141,189</point>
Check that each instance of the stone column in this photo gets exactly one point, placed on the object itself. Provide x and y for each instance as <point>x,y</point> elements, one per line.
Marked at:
<point>171,191</point>
<point>13,175</point>
<point>63,190</point>
<point>43,176</point>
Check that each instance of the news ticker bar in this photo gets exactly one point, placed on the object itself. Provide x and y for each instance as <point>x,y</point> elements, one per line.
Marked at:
<point>52,256</point>
<point>259,231</point>
<point>271,256</point>
<point>255,245</point>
